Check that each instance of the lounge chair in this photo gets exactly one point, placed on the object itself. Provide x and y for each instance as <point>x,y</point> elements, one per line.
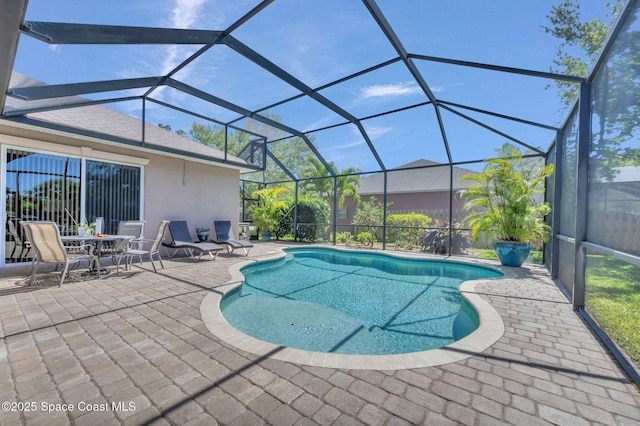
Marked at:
<point>44,237</point>
<point>224,236</point>
<point>181,239</point>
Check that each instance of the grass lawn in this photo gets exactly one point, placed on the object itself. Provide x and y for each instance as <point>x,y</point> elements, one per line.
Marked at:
<point>534,257</point>
<point>613,298</point>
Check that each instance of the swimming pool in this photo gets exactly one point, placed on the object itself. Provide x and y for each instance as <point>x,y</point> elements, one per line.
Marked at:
<point>347,302</point>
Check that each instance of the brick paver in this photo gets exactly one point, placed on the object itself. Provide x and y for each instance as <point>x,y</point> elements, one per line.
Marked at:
<point>132,349</point>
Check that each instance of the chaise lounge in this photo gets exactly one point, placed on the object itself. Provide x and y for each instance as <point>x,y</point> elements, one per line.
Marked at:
<point>224,236</point>
<point>181,239</point>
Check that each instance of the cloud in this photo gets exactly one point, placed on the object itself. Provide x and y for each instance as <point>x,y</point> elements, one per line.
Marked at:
<point>185,13</point>
<point>384,90</point>
<point>54,48</point>
<point>441,88</point>
<point>375,132</point>
<point>348,145</point>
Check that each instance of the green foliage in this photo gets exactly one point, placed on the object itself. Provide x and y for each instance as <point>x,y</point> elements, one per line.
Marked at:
<point>577,35</point>
<point>313,219</point>
<point>341,237</point>
<point>504,199</point>
<point>292,152</point>
<point>615,90</point>
<point>369,215</point>
<point>89,229</point>
<point>320,183</point>
<point>347,185</point>
<point>534,257</point>
<point>214,136</point>
<point>365,238</point>
<point>613,298</point>
<point>268,212</point>
<point>404,229</point>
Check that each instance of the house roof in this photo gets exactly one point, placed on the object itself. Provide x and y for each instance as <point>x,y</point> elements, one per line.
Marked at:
<point>417,176</point>
<point>119,127</point>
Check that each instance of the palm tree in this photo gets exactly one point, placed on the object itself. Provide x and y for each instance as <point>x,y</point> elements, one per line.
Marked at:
<point>320,183</point>
<point>347,185</point>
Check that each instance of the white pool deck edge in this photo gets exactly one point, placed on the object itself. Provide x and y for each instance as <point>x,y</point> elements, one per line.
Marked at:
<point>489,331</point>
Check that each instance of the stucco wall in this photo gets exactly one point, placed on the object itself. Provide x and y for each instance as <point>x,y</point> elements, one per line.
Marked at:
<point>177,189</point>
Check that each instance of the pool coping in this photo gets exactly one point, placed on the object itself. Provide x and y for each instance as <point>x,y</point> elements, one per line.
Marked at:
<point>489,331</point>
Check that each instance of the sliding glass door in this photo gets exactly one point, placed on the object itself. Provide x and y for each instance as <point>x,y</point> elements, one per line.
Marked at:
<point>66,190</point>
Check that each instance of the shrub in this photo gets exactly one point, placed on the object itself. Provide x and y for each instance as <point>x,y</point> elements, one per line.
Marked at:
<point>313,219</point>
<point>365,238</point>
<point>404,229</point>
<point>341,237</point>
<point>369,216</point>
<point>267,213</point>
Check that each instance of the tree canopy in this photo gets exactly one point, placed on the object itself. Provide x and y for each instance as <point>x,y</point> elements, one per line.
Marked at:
<point>581,42</point>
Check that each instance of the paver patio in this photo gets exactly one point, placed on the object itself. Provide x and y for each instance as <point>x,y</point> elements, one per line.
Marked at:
<point>133,349</point>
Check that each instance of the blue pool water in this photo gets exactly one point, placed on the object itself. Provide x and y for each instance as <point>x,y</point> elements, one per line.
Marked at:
<point>327,300</point>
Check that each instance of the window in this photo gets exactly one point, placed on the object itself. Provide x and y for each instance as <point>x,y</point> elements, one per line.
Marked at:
<point>112,192</point>
<point>41,186</point>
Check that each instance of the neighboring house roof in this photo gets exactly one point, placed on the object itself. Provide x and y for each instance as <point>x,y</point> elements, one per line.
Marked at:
<point>103,120</point>
<point>421,176</point>
<point>626,174</point>
<point>625,179</point>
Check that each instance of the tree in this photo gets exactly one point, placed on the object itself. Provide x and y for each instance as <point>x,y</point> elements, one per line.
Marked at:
<point>321,182</point>
<point>293,153</point>
<point>347,185</point>
<point>615,89</point>
<point>214,136</point>
<point>586,37</point>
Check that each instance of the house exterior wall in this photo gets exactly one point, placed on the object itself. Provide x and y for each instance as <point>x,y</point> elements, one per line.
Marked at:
<point>185,190</point>
<point>173,188</point>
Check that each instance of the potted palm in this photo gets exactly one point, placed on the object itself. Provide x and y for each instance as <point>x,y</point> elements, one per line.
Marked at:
<point>266,213</point>
<point>505,202</point>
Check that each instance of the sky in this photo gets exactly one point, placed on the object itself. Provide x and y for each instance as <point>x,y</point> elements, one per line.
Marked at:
<point>318,42</point>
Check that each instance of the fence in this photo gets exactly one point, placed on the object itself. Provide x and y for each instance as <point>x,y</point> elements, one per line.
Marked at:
<point>617,230</point>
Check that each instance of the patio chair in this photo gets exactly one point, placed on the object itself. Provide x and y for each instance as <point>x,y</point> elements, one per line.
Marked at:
<point>19,241</point>
<point>181,239</point>
<point>121,248</point>
<point>44,237</point>
<point>224,236</point>
<point>154,248</point>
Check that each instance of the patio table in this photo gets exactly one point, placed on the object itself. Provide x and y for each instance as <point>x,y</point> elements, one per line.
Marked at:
<point>98,242</point>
